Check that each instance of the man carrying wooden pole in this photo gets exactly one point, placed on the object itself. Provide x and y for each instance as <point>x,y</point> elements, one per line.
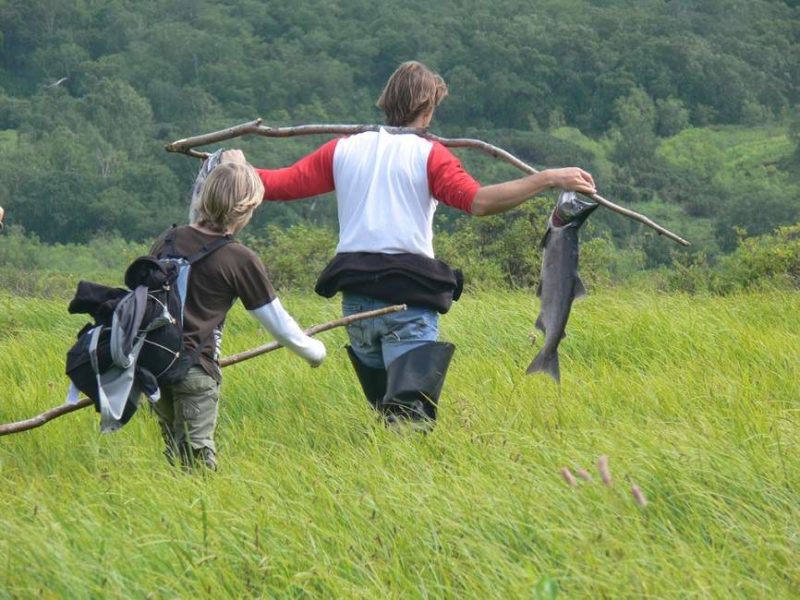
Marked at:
<point>388,186</point>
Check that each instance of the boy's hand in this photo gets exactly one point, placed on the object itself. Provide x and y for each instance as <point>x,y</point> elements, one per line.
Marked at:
<point>316,353</point>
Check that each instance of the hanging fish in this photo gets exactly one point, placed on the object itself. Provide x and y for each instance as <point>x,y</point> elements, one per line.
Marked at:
<point>559,284</point>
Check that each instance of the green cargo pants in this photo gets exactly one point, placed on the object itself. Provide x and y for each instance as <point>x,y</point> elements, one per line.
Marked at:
<point>187,414</point>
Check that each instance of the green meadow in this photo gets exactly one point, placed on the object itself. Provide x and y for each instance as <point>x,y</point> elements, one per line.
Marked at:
<point>694,399</point>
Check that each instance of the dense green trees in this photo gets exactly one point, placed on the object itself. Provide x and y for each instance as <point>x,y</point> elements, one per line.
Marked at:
<point>84,155</point>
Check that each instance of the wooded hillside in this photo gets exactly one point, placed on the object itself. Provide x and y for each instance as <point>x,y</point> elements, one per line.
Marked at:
<point>688,104</point>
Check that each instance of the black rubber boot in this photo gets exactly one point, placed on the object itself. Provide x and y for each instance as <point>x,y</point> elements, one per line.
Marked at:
<point>373,381</point>
<point>415,381</point>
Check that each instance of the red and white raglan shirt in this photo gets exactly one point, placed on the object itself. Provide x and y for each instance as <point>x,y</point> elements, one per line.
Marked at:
<point>387,187</point>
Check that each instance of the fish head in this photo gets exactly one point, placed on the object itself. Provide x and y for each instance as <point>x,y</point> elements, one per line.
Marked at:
<point>570,210</point>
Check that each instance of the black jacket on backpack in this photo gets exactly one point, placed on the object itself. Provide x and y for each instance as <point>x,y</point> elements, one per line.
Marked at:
<point>136,341</point>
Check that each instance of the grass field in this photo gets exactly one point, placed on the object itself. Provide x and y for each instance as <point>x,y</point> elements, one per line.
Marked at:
<point>693,399</point>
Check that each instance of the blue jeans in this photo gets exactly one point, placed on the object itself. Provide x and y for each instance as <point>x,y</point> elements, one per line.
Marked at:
<point>377,342</point>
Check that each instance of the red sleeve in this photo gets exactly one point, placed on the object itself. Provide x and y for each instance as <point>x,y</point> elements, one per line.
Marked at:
<point>309,176</point>
<point>448,181</point>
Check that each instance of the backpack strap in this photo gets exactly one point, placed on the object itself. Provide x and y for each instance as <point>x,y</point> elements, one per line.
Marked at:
<point>208,248</point>
<point>169,241</point>
<point>204,251</point>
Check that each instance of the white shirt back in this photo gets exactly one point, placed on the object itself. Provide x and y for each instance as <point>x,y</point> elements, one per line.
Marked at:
<point>384,199</point>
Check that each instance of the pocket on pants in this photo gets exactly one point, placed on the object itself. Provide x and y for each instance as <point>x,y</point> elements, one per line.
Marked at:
<point>198,392</point>
<point>195,405</point>
<point>198,383</point>
<point>422,327</point>
<point>359,338</point>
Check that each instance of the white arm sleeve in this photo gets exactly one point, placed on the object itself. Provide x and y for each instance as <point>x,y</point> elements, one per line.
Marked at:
<point>287,332</point>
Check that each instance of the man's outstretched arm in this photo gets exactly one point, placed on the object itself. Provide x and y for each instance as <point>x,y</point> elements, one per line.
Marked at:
<point>502,197</point>
<point>310,176</point>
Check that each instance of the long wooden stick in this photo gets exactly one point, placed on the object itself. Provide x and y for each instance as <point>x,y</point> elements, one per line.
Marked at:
<point>370,314</point>
<point>43,418</point>
<point>188,145</point>
<point>64,409</point>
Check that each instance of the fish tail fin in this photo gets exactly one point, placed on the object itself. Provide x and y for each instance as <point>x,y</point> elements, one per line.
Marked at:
<point>546,362</point>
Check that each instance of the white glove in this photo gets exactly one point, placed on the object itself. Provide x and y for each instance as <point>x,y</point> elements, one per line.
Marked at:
<point>287,332</point>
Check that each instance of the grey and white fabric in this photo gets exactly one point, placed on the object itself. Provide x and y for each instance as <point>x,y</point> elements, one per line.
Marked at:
<point>118,385</point>
<point>209,164</point>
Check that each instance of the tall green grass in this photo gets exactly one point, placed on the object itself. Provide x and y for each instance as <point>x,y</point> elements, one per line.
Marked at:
<point>692,398</point>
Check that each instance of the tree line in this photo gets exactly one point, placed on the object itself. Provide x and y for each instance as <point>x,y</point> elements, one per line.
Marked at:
<point>91,91</point>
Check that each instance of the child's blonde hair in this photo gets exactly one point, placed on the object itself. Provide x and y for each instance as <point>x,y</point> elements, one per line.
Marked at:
<point>230,195</point>
<point>412,90</point>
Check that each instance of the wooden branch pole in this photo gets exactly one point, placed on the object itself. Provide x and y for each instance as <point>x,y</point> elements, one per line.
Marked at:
<point>188,145</point>
<point>43,418</point>
<point>64,409</point>
<point>312,331</point>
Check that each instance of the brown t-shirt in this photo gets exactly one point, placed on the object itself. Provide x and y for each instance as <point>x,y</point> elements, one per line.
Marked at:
<point>215,282</point>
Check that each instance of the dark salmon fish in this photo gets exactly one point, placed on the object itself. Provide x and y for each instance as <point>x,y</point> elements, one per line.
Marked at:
<point>560,283</point>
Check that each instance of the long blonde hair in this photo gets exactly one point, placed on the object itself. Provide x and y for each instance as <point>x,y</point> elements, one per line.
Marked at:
<point>230,194</point>
<point>413,89</point>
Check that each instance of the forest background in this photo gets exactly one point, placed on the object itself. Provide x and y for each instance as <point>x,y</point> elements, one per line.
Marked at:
<point>683,110</point>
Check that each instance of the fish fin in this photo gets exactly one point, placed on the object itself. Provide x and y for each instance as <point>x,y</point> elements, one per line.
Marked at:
<point>540,324</point>
<point>546,362</point>
<point>579,290</point>
<point>545,237</point>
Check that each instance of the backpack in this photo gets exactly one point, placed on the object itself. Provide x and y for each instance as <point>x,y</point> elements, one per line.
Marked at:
<point>135,344</point>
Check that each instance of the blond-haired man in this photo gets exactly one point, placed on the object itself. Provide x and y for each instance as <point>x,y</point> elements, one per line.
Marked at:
<point>388,185</point>
<point>187,410</point>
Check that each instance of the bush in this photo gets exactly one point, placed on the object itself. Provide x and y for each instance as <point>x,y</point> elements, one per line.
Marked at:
<point>765,261</point>
<point>603,264</point>
<point>295,256</point>
<point>462,250</point>
<point>103,259</point>
<point>689,273</point>
<point>37,284</point>
<point>498,251</point>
